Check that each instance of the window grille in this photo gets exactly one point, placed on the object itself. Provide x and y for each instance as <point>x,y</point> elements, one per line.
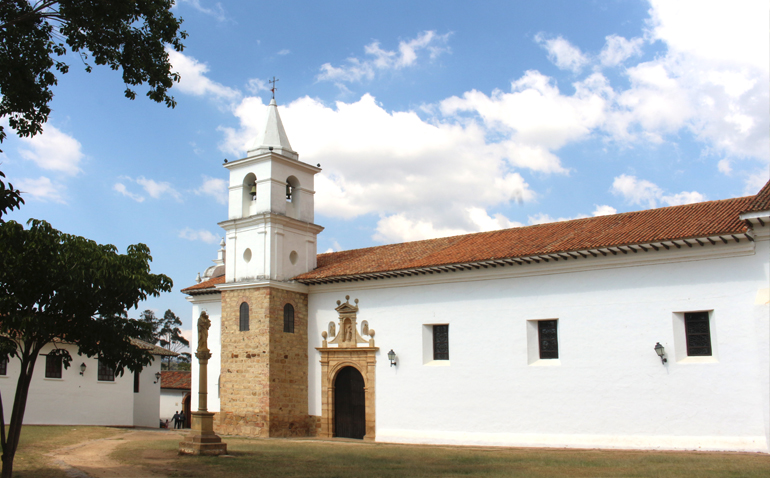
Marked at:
<point>52,366</point>
<point>698,332</point>
<point>549,344</point>
<point>441,342</point>
<point>105,373</point>
<point>136,382</point>
<point>4,367</point>
<point>288,318</point>
<point>244,322</point>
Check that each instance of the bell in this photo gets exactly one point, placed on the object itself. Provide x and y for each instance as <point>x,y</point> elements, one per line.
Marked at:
<point>253,190</point>
<point>288,191</point>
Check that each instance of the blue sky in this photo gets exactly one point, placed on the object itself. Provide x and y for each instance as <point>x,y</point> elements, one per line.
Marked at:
<point>428,118</point>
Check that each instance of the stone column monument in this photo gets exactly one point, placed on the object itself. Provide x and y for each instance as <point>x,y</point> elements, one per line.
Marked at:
<point>202,440</point>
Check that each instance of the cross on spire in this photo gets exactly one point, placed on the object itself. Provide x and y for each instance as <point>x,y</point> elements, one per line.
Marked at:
<point>273,88</point>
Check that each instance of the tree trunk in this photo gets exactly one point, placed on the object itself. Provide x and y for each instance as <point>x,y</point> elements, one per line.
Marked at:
<point>17,413</point>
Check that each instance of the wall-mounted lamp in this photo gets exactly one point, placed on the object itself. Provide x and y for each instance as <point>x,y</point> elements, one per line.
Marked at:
<point>392,357</point>
<point>82,368</point>
<point>661,352</point>
<point>157,377</point>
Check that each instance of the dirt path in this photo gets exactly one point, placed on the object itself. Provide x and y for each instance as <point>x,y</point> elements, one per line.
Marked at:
<point>91,459</point>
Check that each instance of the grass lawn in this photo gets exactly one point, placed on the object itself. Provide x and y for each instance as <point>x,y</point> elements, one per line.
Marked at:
<point>35,442</point>
<point>303,458</point>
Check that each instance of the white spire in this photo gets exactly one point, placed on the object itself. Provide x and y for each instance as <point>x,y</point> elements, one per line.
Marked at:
<point>273,138</point>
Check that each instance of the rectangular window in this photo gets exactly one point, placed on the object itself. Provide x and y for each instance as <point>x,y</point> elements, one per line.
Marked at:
<point>549,344</point>
<point>52,366</point>
<point>698,333</point>
<point>106,373</point>
<point>441,342</point>
<point>4,367</point>
<point>136,382</point>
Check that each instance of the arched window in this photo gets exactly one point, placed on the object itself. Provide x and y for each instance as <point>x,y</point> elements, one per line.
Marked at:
<point>244,316</point>
<point>288,318</point>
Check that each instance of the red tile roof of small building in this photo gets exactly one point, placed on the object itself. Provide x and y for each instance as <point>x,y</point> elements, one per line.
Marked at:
<point>209,284</point>
<point>761,201</point>
<point>713,218</point>
<point>179,380</point>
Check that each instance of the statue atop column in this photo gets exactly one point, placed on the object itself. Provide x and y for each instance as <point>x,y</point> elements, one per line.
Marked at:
<point>202,440</point>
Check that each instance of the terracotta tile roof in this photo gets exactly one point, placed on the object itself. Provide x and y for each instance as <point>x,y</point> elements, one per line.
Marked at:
<point>711,218</point>
<point>761,201</point>
<point>209,284</point>
<point>155,349</point>
<point>179,380</point>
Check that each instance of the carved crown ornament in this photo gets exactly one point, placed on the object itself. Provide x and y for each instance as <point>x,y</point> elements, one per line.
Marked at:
<point>348,336</point>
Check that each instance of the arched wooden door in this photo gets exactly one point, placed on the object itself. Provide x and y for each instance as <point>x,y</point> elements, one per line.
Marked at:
<point>186,408</point>
<point>349,404</point>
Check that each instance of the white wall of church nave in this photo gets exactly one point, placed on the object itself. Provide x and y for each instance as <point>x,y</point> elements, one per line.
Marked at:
<point>212,305</point>
<point>76,399</point>
<point>609,389</point>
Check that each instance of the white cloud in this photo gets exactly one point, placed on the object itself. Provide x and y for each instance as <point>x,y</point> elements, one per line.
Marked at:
<point>214,187</point>
<point>199,235</point>
<point>684,197</point>
<point>543,218</point>
<point>562,53</point>
<point>636,191</point>
<point>121,188</point>
<point>536,117</point>
<point>42,188</point>
<point>433,170</point>
<point>712,79</point>
<point>724,166</point>
<point>619,49</point>
<point>604,210</point>
<point>646,193</point>
<point>193,80</point>
<point>217,11</point>
<point>53,150</point>
<point>157,189</point>
<point>756,181</point>
<point>378,59</point>
<point>285,51</point>
<point>255,85</point>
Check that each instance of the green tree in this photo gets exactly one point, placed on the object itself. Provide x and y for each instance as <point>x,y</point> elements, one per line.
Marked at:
<point>166,333</point>
<point>171,338</point>
<point>9,198</point>
<point>57,287</point>
<point>126,35</point>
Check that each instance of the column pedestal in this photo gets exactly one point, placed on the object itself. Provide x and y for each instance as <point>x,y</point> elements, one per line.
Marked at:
<point>202,440</point>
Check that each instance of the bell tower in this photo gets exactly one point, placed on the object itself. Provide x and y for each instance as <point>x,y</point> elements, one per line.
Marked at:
<point>271,237</point>
<point>270,231</point>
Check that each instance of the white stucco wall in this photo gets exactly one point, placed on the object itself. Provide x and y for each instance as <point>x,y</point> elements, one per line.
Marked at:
<point>213,307</point>
<point>170,403</point>
<point>83,400</point>
<point>147,401</point>
<point>608,389</point>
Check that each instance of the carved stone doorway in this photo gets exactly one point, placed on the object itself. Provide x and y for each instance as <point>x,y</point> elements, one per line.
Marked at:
<point>349,404</point>
<point>347,377</point>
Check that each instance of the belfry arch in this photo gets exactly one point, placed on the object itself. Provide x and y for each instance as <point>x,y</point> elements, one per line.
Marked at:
<point>347,353</point>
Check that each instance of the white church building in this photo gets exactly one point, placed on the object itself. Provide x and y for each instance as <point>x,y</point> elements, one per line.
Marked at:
<point>647,329</point>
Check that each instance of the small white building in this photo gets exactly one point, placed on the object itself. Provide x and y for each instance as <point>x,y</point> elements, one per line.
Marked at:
<point>86,393</point>
<point>174,395</point>
<point>647,329</point>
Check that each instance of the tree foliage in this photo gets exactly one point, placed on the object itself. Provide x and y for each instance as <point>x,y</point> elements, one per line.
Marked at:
<point>166,332</point>
<point>126,35</point>
<point>57,287</point>
<point>10,198</point>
